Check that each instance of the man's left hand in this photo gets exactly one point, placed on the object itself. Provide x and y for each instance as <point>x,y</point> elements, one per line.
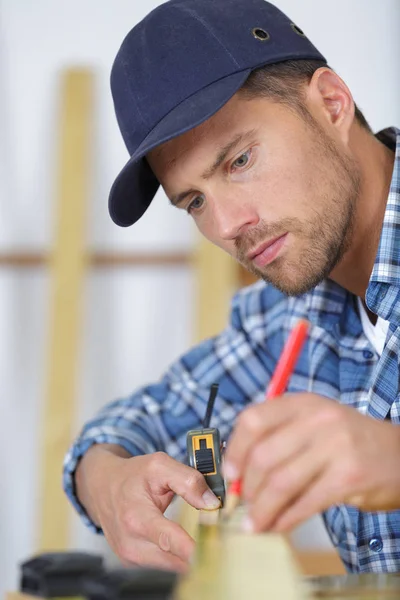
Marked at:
<point>301,453</point>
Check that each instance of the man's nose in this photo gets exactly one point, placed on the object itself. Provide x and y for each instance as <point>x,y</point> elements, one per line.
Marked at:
<point>233,216</point>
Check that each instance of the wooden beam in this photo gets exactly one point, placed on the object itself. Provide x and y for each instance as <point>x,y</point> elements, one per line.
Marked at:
<point>24,260</point>
<point>100,259</point>
<point>231,564</point>
<point>161,259</point>
<point>67,265</point>
<point>319,562</point>
<point>245,277</point>
<point>216,282</point>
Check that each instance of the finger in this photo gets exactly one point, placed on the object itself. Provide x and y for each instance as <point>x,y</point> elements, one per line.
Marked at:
<point>182,480</point>
<point>319,497</point>
<point>252,425</point>
<point>166,535</point>
<point>269,454</point>
<point>132,550</point>
<point>283,487</point>
<point>147,554</point>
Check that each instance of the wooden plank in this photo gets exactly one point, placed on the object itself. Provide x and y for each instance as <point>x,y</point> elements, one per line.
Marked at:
<point>245,277</point>
<point>216,281</point>
<point>319,562</point>
<point>140,259</point>
<point>235,565</point>
<point>68,264</point>
<point>101,259</point>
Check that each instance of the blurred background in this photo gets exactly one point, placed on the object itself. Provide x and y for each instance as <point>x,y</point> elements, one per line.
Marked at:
<point>140,302</point>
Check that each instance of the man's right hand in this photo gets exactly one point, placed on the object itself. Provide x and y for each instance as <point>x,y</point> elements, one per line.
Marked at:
<point>127,496</point>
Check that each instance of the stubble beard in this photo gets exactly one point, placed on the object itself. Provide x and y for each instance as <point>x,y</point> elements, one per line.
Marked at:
<point>323,240</point>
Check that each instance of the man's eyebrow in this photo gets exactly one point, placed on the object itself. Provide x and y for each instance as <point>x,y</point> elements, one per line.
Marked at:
<point>176,200</point>
<point>210,171</point>
<point>224,151</point>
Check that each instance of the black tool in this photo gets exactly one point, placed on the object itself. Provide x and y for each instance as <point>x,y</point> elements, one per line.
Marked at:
<point>204,450</point>
<point>131,584</point>
<point>59,573</point>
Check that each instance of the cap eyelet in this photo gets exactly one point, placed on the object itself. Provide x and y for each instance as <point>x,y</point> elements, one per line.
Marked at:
<point>297,30</point>
<point>260,34</point>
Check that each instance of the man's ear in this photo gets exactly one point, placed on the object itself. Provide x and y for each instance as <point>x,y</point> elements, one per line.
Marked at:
<point>332,100</point>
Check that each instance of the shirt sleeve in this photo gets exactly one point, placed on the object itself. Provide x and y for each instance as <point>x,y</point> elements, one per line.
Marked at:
<point>157,417</point>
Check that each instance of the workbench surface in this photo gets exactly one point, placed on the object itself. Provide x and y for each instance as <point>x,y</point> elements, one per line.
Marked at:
<point>340,587</point>
<point>369,586</point>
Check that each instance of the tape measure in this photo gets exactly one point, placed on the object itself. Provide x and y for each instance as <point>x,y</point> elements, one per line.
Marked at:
<point>204,448</point>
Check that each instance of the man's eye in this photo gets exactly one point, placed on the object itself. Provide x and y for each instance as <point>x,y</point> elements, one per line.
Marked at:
<point>196,203</point>
<point>242,161</point>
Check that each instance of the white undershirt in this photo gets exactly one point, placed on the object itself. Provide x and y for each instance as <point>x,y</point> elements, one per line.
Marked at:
<point>376,334</point>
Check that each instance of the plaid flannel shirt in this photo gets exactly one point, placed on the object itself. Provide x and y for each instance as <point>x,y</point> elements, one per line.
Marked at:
<point>337,362</point>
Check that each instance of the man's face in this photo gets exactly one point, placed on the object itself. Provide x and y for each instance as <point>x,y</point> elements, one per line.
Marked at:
<point>266,185</point>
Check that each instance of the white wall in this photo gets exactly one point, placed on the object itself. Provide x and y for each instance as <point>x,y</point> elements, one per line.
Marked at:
<point>125,310</point>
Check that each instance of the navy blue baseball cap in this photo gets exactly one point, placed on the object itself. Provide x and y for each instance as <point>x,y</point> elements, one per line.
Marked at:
<point>177,68</point>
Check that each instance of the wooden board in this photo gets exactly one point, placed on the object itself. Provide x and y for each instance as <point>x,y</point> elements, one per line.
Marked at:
<point>231,564</point>
<point>68,265</point>
<point>216,281</point>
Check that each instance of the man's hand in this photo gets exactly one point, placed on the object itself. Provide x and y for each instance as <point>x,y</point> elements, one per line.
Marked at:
<point>127,498</point>
<point>301,453</point>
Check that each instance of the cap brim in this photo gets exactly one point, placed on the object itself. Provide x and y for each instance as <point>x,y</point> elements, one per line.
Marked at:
<point>136,185</point>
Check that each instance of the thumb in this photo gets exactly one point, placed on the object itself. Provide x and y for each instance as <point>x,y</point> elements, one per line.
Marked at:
<point>191,486</point>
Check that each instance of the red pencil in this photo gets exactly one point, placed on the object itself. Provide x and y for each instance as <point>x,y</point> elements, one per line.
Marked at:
<point>276,387</point>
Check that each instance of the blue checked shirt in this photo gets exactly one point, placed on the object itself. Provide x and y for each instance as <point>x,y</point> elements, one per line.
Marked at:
<point>337,362</point>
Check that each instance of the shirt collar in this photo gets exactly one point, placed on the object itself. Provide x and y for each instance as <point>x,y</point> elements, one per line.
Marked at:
<point>325,303</point>
<point>383,292</point>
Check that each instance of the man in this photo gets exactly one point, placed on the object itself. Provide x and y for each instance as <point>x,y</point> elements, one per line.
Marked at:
<point>229,107</point>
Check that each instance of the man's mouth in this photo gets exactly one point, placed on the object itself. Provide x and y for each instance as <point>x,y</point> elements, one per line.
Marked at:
<point>266,252</point>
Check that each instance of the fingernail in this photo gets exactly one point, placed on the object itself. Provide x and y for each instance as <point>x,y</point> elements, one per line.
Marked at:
<point>230,472</point>
<point>164,542</point>
<point>248,525</point>
<point>210,500</point>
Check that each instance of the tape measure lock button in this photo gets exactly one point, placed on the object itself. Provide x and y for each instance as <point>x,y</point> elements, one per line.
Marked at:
<point>204,458</point>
